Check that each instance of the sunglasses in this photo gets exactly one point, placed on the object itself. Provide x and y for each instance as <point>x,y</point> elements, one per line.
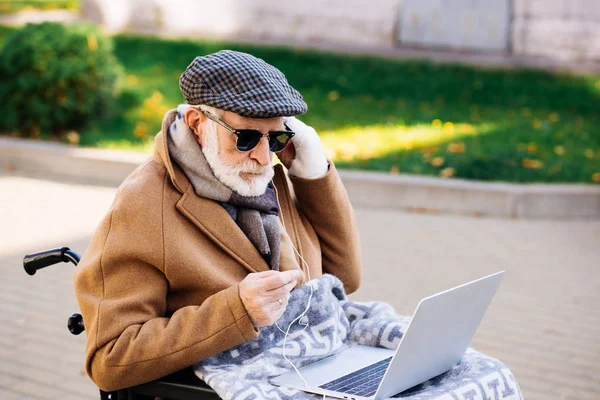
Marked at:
<point>247,139</point>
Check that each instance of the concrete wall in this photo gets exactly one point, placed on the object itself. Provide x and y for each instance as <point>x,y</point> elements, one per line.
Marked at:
<point>566,30</point>
<point>456,24</point>
<point>370,22</point>
<point>362,22</point>
<point>559,29</point>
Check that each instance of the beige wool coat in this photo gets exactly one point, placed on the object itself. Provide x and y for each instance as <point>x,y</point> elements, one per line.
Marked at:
<point>158,285</point>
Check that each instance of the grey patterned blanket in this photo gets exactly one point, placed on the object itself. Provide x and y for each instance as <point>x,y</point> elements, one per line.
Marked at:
<point>334,322</point>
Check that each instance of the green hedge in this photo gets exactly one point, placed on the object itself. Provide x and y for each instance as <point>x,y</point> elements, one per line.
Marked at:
<point>55,78</point>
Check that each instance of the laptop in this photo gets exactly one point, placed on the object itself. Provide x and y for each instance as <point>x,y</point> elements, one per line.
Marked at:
<point>434,342</point>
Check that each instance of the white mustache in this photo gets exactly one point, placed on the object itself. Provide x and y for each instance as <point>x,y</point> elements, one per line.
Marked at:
<point>250,167</point>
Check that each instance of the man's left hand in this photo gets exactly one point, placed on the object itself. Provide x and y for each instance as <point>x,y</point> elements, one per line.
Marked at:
<point>303,156</point>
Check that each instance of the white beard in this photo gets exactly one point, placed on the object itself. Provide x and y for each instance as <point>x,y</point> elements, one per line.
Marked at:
<point>230,175</point>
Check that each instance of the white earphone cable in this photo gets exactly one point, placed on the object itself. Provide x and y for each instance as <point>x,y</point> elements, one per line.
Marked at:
<point>307,305</point>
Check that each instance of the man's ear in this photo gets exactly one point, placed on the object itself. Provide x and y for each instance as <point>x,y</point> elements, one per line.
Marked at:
<point>193,118</point>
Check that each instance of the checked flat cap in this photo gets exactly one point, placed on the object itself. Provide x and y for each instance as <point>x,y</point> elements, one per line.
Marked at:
<point>240,83</point>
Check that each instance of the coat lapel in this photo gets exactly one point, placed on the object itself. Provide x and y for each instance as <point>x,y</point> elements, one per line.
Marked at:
<point>214,221</point>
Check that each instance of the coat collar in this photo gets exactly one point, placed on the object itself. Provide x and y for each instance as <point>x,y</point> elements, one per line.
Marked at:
<point>207,215</point>
<point>161,154</point>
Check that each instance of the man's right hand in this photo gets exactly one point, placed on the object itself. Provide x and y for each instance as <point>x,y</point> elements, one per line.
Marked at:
<point>265,295</point>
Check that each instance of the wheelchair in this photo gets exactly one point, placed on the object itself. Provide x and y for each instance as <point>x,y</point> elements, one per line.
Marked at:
<point>182,385</point>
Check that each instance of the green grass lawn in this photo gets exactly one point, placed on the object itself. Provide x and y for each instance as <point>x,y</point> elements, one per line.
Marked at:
<point>11,6</point>
<point>388,115</point>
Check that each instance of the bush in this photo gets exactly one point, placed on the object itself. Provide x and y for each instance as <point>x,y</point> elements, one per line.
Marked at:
<point>55,78</point>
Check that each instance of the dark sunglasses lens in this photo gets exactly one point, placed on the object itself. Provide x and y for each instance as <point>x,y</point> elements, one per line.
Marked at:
<point>278,140</point>
<point>248,139</point>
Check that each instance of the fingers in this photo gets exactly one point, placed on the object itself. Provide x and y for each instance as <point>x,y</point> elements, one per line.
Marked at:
<point>261,275</point>
<point>294,123</point>
<point>281,292</point>
<point>279,307</point>
<point>265,295</point>
<point>277,280</point>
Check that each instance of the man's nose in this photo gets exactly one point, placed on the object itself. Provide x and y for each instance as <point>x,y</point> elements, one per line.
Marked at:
<point>261,152</point>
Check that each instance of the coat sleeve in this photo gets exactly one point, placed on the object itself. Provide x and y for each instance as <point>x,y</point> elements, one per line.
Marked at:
<point>325,203</point>
<point>121,289</point>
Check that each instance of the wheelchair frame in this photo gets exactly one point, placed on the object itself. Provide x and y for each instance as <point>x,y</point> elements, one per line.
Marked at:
<point>181,385</point>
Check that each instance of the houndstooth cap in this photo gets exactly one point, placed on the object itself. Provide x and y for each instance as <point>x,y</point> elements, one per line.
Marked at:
<point>240,83</point>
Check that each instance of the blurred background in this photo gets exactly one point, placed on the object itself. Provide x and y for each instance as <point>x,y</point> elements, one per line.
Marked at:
<point>463,91</point>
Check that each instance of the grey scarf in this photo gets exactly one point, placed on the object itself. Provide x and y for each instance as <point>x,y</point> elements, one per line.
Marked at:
<point>256,216</point>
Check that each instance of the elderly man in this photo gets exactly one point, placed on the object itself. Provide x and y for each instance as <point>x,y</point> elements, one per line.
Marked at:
<point>205,241</point>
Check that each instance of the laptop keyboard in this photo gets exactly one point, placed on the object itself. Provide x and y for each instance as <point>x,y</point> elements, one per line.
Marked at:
<point>363,382</point>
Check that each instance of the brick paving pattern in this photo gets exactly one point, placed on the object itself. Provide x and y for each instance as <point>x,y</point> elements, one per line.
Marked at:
<point>544,322</point>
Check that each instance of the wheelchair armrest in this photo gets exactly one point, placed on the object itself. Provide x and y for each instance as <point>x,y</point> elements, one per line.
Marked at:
<point>182,385</point>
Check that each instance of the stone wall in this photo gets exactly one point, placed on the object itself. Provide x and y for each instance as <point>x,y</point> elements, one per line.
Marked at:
<point>566,30</point>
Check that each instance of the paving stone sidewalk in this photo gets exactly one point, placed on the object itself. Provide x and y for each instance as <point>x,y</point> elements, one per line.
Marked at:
<point>544,323</point>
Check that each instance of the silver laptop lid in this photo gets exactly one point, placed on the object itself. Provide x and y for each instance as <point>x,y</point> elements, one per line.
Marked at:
<point>438,335</point>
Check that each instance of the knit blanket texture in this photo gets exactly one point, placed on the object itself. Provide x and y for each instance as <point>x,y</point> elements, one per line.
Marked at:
<point>334,322</point>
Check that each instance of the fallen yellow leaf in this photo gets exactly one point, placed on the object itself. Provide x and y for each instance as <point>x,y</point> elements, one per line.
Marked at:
<point>532,148</point>
<point>72,137</point>
<point>529,163</point>
<point>553,117</point>
<point>456,147</point>
<point>589,153</point>
<point>394,170</point>
<point>447,172</point>
<point>437,161</point>
<point>537,124</point>
<point>560,150</point>
<point>596,177</point>
<point>333,95</point>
